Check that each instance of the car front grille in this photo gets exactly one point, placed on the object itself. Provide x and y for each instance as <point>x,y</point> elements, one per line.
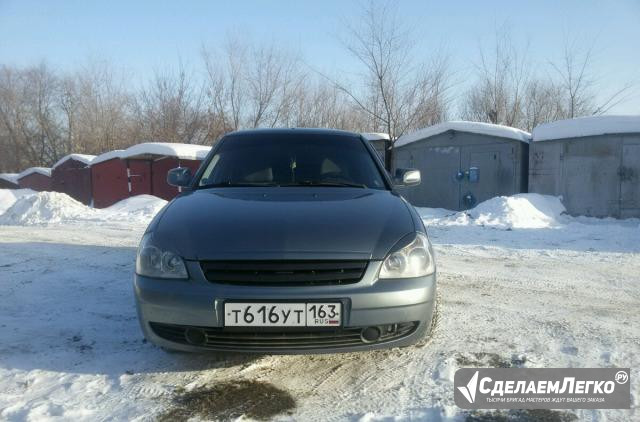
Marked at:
<point>221,339</point>
<point>284,273</point>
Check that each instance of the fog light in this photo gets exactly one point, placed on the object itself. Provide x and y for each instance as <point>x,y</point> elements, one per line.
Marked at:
<point>370,334</point>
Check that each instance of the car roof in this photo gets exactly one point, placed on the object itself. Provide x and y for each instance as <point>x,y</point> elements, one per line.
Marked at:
<point>294,131</point>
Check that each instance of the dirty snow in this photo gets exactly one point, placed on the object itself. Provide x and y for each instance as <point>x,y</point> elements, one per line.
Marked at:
<point>463,126</point>
<point>586,126</point>
<point>564,294</point>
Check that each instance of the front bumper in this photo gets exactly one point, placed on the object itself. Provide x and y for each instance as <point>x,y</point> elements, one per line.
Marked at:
<point>196,302</point>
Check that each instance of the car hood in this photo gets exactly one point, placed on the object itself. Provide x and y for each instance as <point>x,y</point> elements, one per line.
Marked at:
<point>283,223</point>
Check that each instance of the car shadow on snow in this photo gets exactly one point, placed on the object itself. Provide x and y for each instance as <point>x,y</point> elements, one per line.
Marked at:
<point>70,309</point>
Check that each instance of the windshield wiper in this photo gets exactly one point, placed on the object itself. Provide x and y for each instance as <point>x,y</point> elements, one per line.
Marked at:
<point>327,183</point>
<point>237,184</point>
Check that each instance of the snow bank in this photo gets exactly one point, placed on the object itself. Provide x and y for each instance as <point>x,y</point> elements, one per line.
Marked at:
<point>522,211</point>
<point>586,126</point>
<point>182,151</point>
<point>42,170</point>
<point>138,208</point>
<point>8,197</point>
<point>26,207</point>
<point>462,126</point>
<point>83,158</point>
<point>43,208</point>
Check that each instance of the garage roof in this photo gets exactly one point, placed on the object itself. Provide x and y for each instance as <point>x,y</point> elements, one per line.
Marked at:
<point>107,156</point>
<point>83,158</point>
<point>375,136</point>
<point>41,170</point>
<point>9,177</point>
<point>586,126</point>
<point>463,126</point>
<point>165,149</point>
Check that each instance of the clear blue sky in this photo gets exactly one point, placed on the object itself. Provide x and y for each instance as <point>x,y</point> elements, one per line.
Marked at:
<point>142,36</point>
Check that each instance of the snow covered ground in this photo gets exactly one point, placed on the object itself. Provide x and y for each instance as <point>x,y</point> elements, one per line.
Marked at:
<point>521,285</point>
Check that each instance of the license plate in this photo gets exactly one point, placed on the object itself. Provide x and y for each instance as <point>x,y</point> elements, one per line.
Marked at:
<point>311,314</point>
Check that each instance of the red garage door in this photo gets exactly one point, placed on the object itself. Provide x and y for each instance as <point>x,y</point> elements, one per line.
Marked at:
<point>139,177</point>
<point>109,182</point>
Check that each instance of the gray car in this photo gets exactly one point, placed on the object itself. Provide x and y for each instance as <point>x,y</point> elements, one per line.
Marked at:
<point>287,241</point>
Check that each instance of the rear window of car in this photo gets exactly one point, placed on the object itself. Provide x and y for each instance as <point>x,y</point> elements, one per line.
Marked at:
<point>292,160</point>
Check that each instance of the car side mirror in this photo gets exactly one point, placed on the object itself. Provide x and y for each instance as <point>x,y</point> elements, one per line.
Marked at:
<point>407,177</point>
<point>179,177</point>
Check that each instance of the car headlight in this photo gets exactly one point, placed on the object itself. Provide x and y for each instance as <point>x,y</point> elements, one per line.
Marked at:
<point>414,260</point>
<point>154,262</point>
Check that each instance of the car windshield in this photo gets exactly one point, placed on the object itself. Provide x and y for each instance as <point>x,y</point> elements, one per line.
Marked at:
<point>292,160</point>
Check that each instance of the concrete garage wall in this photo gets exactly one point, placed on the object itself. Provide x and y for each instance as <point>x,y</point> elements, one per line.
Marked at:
<point>445,160</point>
<point>596,176</point>
<point>593,163</point>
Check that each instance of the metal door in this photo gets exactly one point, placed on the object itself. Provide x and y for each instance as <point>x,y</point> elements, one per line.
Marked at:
<point>487,171</point>
<point>590,174</point>
<point>139,173</point>
<point>439,187</point>
<point>630,181</point>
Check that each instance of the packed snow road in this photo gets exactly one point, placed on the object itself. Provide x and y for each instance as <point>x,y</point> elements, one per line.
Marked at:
<point>563,294</point>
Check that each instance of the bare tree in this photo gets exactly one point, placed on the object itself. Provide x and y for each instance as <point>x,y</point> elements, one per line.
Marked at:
<point>502,78</point>
<point>252,86</point>
<point>579,84</point>
<point>396,93</point>
<point>171,108</point>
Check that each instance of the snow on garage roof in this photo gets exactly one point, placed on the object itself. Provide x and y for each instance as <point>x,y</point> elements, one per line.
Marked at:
<point>41,170</point>
<point>183,151</point>
<point>375,136</point>
<point>83,158</point>
<point>10,177</point>
<point>586,126</point>
<point>462,126</point>
<point>107,156</point>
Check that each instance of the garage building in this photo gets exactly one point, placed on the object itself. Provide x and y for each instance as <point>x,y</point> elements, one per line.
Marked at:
<point>36,178</point>
<point>108,179</point>
<point>72,175</point>
<point>593,163</point>
<point>380,142</point>
<point>148,164</point>
<point>464,163</point>
<point>141,169</point>
<point>9,181</point>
